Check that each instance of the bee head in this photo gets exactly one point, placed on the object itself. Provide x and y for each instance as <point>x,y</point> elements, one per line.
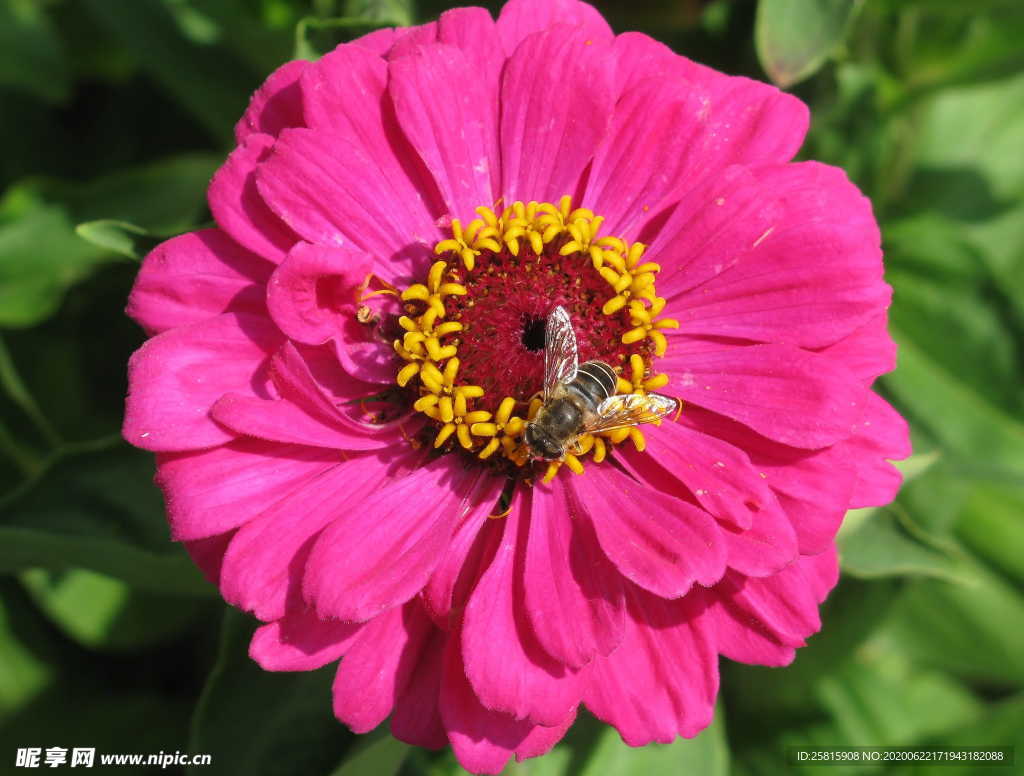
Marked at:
<point>542,444</point>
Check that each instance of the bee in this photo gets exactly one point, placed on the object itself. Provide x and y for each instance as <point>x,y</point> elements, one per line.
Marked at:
<point>580,398</point>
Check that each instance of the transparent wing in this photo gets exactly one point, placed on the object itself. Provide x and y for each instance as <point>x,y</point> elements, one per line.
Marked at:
<point>560,358</point>
<point>630,409</point>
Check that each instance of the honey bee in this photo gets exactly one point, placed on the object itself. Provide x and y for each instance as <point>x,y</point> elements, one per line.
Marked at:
<point>580,398</point>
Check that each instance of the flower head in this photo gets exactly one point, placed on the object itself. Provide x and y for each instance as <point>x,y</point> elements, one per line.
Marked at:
<point>341,372</point>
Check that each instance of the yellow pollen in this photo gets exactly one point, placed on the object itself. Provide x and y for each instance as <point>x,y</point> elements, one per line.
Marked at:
<point>462,414</point>
<point>645,326</point>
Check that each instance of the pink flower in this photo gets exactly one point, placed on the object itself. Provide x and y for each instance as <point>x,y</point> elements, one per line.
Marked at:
<point>340,373</point>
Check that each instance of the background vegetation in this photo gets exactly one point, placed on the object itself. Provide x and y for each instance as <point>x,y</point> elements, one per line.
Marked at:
<point>114,115</point>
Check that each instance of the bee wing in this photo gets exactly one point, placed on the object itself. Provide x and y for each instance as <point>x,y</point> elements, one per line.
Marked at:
<point>630,409</point>
<point>560,357</point>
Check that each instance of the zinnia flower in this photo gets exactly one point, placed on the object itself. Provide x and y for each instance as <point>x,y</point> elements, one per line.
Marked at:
<point>341,370</point>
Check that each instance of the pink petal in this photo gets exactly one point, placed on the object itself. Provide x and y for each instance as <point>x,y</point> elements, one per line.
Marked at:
<point>281,420</point>
<point>869,351</point>
<point>365,351</point>
<point>639,57</point>
<point>723,480</point>
<point>465,28</point>
<point>572,594</point>
<point>714,224</point>
<point>471,547</point>
<point>783,604</point>
<point>355,179</point>
<point>821,572</point>
<point>429,111</point>
<point>343,92</point>
<point>208,554</point>
<point>660,543</point>
<point>662,680</point>
<point>313,293</point>
<point>540,740</point>
<point>194,277</point>
<point>301,641</point>
<point>381,554</point>
<point>379,665</point>
<point>780,290</point>
<point>744,640</point>
<point>521,18</point>
<point>682,460</point>
<point>411,38</point>
<point>556,97</point>
<point>303,415</point>
<point>795,397</point>
<point>334,190</point>
<point>767,546</point>
<point>266,560</point>
<point>506,667</point>
<point>813,487</point>
<point>379,41</point>
<point>417,716</point>
<point>650,147</point>
<point>483,740</point>
<point>748,122</point>
<point>814,490</point>
<point>212,491</point>
<point>882,435</point>
<point>239,209</point>
<point>175,378</point>
<point>761,620</point>
<point>276,104</point>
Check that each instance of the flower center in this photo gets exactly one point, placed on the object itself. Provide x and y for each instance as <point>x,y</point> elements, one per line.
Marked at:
<point>474,332</point>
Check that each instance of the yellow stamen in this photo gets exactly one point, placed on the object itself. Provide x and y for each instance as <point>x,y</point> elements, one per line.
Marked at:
<point>432,329</point>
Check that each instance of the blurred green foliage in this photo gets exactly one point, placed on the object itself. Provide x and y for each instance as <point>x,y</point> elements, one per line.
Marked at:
<point>115,114</point>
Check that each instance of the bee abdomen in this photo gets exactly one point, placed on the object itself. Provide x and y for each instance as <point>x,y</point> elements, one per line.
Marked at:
<point>595,381</point>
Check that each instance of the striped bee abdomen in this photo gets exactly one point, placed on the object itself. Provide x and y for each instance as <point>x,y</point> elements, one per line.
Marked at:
<point>594,382</point>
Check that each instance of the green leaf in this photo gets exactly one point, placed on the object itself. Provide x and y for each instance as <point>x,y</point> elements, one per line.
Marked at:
<point>795,37</point>
<point>990,526</point>
<point>1002,725</point>
<point>968,168</point>
<point>707,754</point>
<point>104,613</point>
<point>17,391</point>
<point>377,753</point>
<point>209,81</point>
<point>885,700</point>
<point>314,36</point>
<point>984,441</point>
<point>257,722</point>
<point>164,198</point>
<point>983,354</point>
<point>31,54</point>
<point>972,631</point>
<point>935,499</point>
<point>773,698</point>
<point>117,237</point>
<point>888,542</point>
<point>25,673</point>
<point>261,38</point>
<point>40,257</point>
<point>94,506</point>
<point>84,712</point>
<point>396,13</point>
<point>592,748</point>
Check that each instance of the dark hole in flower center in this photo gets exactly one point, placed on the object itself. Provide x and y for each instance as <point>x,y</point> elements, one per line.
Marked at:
<point>533,333</point>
